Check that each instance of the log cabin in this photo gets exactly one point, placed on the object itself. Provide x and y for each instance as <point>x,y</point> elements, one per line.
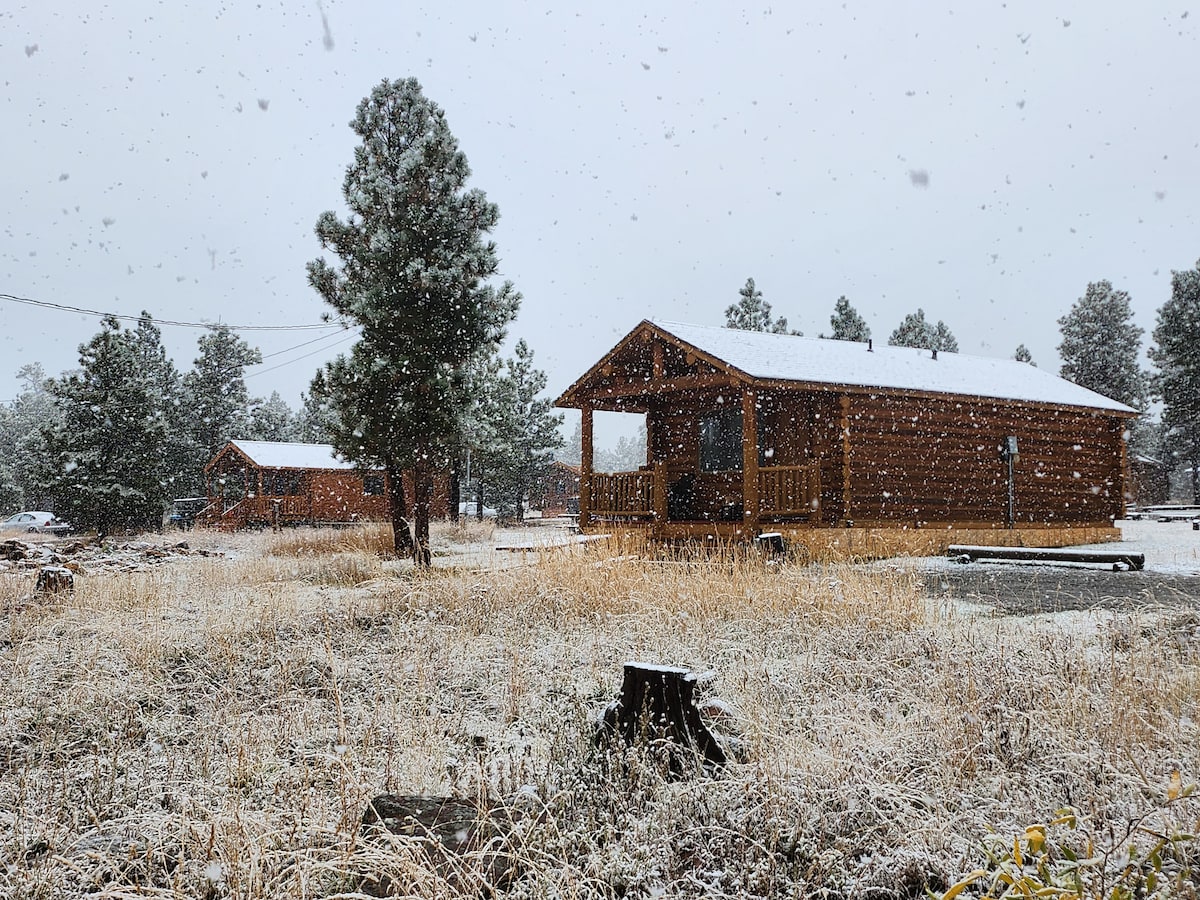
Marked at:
<point>848,448</point>
<point>556,491</point>
<point>260,483</point>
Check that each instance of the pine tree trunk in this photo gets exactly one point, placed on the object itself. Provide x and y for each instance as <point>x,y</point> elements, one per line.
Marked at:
<point>402,542</point>
<point>479,498</point>
<point>455,496</point>
<point>423,488</point>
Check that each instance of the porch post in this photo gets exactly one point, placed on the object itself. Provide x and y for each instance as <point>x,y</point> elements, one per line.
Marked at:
<point>750,505</point>
<point>585,466</point>
<point>658,525</point>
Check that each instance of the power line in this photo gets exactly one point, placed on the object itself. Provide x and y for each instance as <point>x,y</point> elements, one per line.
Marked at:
<point>323,337</point>
<point>62,307</point>
<point>305,356</point>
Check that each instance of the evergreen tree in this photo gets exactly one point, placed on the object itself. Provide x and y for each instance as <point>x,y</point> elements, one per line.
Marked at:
<point>847,324</point>
<point>481,423</point>
<point>753,313</point>
<point>217,399</point>
<point>1022,354</point>
<point>316,419</point>
<point>915,331</point>
<point>571,452</point>
<point>1100,345</point>
<point>11,495</point>
<point>272,420</point>
<point>23,472</point>
<point>108,455</point>
<point>628,455</point>
<point>415,261</point>
<point>522,434</point>
<point>1176,355</point>
<point>183,469</point>
<point>943,339</point>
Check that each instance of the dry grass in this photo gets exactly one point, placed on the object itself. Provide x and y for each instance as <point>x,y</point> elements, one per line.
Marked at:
<point>216,728</point>
<point>373,539</point>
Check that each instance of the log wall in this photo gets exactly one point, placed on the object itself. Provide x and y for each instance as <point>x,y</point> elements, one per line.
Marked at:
<point>921,460</point>
<point>887,460</point>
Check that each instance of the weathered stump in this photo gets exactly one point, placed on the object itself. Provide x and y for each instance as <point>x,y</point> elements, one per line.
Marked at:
<point>54,580</point>
<point>657,704</point>
<point>466,845</point>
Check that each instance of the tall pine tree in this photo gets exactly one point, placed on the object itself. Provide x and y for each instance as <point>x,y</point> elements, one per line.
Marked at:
<point>1176,355</point>
<point>1101,345</point>
<point>273,420</point>
<point>848,324</point>
<point>24,475</point>
<point>108,456</point>
<point>753,313</point>
<point>316,419</point>
<point>415,262</point>
<point>217,399</point>
<point>916,331</point>
<point>522,434</point>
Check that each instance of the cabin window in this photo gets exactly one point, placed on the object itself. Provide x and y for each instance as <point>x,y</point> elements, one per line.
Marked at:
<point>721,442</point>
<point>282,484</point>
<point>373,485</point>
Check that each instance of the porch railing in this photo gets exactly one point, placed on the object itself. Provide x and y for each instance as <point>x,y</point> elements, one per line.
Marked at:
<point>625,494</point>
<point>238,513</point>
<point>788,490</point>
<point>783,492</point>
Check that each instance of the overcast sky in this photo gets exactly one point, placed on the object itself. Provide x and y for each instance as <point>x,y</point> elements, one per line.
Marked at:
<point>981,161</point>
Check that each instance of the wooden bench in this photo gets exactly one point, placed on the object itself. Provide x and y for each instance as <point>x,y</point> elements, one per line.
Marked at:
<point>1117,558</point>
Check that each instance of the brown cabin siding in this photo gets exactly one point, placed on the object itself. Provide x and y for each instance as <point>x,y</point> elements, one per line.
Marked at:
<point>315,496</point>
<point>915,460</point>
<point>924,460</point>
<point>338,496</point>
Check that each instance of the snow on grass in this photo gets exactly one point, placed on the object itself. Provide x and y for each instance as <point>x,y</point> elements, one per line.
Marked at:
<point>216,727</point>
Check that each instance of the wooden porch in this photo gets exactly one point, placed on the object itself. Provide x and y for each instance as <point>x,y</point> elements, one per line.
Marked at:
<point>773,494</point>
<point>247,511</point>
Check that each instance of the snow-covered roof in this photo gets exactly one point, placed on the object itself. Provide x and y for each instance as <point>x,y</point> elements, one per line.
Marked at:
<point>821,361</point>
<point>291,455</point>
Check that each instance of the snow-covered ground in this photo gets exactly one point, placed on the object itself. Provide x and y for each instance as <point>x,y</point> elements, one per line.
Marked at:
<point>1171,579</point>
<point>1170,547</point>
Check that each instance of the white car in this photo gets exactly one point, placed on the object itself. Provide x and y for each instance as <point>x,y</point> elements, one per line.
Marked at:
<point>34,523</point>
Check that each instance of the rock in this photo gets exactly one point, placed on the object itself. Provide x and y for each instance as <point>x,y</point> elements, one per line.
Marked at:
<point>104,855</point>
<point>54,580</point>
<point>468,846</point>
<point>14,550</point>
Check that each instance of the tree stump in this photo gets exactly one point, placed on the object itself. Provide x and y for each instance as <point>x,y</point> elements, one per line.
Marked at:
<point>54,580</point>
<point>657,703</point>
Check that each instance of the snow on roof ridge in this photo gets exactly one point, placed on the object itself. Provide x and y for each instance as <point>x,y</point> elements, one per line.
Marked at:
<point>292,455</point>
<point>885,366</point>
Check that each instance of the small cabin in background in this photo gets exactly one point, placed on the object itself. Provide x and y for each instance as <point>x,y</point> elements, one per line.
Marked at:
<point>556,493</point>
<point>847,447</point>
<point>1150,481</point>
<point>258,483</point>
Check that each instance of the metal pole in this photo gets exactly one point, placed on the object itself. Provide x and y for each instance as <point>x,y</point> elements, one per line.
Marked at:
<point>1012,493</point>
